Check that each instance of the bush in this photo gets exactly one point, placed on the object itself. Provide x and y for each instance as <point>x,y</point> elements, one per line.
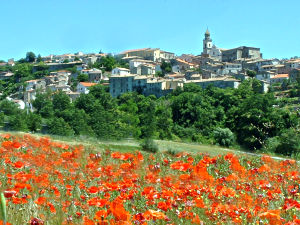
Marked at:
<point>289,142</point>
<point>223,136</point>
<point>149,145</point>
<point>271,144</point>
<point>1,118</point>
<point>199,138</point>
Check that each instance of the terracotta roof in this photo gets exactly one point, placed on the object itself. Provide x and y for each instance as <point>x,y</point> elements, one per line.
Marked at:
<point>63,71</point>
<point>33,81</point>
<point>280,76</point>
<point>87,84</point>
<point>134,50</point>
<point>185,62</point>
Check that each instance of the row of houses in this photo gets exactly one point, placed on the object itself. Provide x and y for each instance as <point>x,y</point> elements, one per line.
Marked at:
<point>61,81</point>
<point>122,81</point>
<point>80,56</point>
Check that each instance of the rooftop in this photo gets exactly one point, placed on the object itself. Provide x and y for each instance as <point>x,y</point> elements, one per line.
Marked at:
<point>125,75</point>
<point>135,50</point>
<point>87,84</point>
<point>122,68</point>
<point>213,79</point>
<point>185,62</point>
<point>280,76</point>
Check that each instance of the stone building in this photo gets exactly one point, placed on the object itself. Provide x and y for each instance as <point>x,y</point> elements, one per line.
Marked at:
<point>294,74</point>
<point>220,82</point>
<point>146,85</point>
<point>120,84</point>
<point>153,54</point>
<point>242,52</point>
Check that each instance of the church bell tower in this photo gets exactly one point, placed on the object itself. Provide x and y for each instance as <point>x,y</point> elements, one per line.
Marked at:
<point>207,43</point>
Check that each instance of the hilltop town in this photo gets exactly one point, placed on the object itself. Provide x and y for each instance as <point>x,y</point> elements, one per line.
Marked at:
<point>148,71</point>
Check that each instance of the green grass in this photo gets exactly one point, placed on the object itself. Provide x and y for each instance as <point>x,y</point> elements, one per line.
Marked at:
<point>133,145</point>
<point>190,147</point>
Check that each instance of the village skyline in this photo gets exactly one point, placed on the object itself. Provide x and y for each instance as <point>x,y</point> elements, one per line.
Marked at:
<point>112,27</point>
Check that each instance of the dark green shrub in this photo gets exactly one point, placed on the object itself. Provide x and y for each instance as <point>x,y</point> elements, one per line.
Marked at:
<point>289,142</point>
<point>271,144</point>
<point>1,118</point>
<point>223,136</point>
<point>149,145</point>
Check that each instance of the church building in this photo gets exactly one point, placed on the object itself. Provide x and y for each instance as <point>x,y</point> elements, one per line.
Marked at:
<point>209,49</point>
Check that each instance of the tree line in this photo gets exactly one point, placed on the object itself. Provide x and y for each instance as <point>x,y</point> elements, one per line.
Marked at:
<point>241,116</point>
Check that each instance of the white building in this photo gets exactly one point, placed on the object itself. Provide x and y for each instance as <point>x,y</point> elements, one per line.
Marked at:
<point>83,87</point>
<point>265,76</point>
<point>120,71</point>
<point>264,62</point>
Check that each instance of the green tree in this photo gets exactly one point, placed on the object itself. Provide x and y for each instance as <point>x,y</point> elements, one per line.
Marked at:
<point>252,121</point>
<point>129,114</point>
<point>61,102</point>
<point>85,102</point>
<point>101,93</point>
<point>257,86</point>
<point>79,123</point>
<point>23,70</point>
<point>289,143</point>
<point>9,107</point>
<point>82,77</point>
<point>58,126</point>
<point>1,118</point>
<point>33,121</point>
<point>108,62</point>
<point>106,123</point>
<point>66,61</point>
<point>43,105</point>
<point>17,122</point>
<point>39,58</point>
<point>166,67</point>
<point>41,70</point>
<point>30,57</point>
<point>251,73</point>
<point>163,113</point>
<point>195,110</point>
<point>147,117</point>
<point>159,74</point>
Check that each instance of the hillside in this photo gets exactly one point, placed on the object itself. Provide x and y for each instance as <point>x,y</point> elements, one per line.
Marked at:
<point>62,182</point>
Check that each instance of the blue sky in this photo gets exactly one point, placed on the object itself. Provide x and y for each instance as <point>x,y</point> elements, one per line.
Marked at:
<point>69,26</point>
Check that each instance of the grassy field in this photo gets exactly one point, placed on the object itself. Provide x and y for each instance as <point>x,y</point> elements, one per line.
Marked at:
<point>131,144</point>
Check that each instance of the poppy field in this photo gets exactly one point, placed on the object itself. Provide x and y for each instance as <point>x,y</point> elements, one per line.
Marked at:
<point>47,182</point>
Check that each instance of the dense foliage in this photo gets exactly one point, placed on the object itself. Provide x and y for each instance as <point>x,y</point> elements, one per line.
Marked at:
<point>210,115</point>
<point>47,182</point>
